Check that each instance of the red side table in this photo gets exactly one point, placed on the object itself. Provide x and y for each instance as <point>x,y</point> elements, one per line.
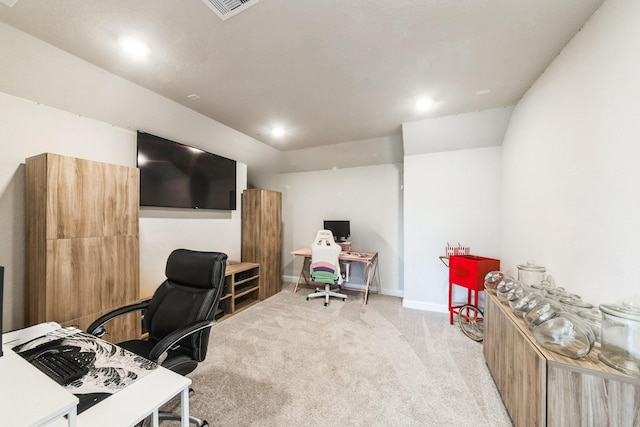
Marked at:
<point>468,271</point>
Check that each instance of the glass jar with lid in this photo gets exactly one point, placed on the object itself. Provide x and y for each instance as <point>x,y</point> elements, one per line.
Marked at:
<point>620,340</point>
<point>530,274</point>
<point>541,312</point>
<point>574,303</point>
<point>525,303</point>
<point>546,284</point>
<point>593,318</point>
<point>506,286</point>
<point>565,334</point>
<point>491,280</point>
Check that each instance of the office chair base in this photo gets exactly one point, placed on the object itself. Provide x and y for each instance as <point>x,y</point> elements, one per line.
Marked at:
<point>327,293</point>
<point>176,417</point>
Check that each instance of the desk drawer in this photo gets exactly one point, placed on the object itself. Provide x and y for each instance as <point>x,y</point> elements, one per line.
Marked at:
<point>469,270</point>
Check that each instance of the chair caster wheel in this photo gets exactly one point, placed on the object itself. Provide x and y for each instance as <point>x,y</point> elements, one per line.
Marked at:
<point>204,424</point>
<point>326,304</point>
<point>308,298</point>
<point>344,299</point>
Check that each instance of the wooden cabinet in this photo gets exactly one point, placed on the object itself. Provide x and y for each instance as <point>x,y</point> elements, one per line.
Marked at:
<point>262,237</point>
<point>542,388</point>
<point>518,368</point>
<point>82,248</point>
<point>241,288</point>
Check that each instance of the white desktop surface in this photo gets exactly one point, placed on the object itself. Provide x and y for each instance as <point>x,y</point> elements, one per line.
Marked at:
<point>136,401</point>
<point>28,397</point>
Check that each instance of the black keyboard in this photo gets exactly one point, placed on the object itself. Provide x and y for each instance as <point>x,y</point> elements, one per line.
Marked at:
<point>60,367</point>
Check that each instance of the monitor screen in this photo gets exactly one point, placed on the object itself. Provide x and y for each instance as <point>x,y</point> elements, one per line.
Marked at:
<point>178,176</point>
<point>340,229</point>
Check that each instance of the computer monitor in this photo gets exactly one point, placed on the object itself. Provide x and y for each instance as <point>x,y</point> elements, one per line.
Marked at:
<point>340,229</point>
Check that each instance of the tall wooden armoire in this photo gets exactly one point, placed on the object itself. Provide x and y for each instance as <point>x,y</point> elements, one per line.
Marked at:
<point>82,247</point>
<point>262,237</point>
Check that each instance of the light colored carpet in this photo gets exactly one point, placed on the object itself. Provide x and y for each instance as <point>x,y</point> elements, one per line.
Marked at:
<point>291,362</point>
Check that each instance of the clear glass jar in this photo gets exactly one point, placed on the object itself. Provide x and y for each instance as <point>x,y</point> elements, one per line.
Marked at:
<point>574,303</point>
<point>565,334</point>
<point>491,280</point>
<point>593,318</point>
<point>556,293</point>
<point>546,284</point>
<point>505,286</point>
<point>620,340</point>
<point>525,303</point>
<point>530,274</point>
<point>541,312</point>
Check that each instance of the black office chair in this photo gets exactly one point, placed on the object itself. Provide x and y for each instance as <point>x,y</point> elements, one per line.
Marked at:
<point>179,314</point>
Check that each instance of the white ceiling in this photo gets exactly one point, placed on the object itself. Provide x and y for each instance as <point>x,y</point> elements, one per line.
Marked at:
<point>329,71</point>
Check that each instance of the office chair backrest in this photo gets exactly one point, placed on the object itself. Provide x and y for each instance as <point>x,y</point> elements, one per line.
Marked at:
<point>325,266</point>
<point>190,293</point>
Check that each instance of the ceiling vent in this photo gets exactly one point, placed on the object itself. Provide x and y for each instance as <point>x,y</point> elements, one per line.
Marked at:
<point>225,9</point>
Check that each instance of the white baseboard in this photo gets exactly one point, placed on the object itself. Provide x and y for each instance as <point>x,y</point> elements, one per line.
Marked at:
<point>425,306</point>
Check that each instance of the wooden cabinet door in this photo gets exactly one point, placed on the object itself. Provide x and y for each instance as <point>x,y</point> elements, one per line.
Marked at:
<point>518,369</point>
<point>262,237</point>
<point>82,241</point>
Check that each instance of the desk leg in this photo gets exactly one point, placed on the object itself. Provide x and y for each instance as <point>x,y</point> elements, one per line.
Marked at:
<point>371,272</point>
<point>306,264</point>
<point>155,419</point>
<point>184,407</point>
<point>72,417</point>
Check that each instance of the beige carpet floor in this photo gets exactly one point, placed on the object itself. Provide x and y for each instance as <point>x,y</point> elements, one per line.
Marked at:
<point>291,362</point>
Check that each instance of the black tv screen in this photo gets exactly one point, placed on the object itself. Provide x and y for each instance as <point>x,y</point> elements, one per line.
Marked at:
<point>178,176</point>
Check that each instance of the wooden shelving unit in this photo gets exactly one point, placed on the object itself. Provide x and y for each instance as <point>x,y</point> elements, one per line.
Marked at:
<point>242,288</point>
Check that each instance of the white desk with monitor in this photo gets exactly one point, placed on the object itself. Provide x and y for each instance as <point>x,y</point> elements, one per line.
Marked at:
<point>368,259</point>
<point>29,397</point>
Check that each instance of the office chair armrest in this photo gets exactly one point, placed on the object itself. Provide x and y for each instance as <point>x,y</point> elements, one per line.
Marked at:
<point>97,327</point>
<point>173,338</point>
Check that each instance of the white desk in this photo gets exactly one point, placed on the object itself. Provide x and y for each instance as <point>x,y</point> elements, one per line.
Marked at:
<point>29,397</point>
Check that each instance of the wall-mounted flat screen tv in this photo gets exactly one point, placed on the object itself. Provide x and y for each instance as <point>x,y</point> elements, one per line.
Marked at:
<point>174,175</point>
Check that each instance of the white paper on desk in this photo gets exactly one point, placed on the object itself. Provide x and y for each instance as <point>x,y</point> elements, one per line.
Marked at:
<point>111,368</point>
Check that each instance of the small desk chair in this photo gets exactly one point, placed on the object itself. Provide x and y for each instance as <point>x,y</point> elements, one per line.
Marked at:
<point>325,266</point>
<point>179,315</point>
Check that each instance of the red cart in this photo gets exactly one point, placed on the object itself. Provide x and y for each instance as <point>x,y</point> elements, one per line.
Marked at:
<point>468,271</point>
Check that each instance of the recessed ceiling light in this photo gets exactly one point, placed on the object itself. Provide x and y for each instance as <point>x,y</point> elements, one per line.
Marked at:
<point>134,48</point>
<point>424,104</point>
<point>193,97</point>
<point>483,92</point>
<point>277,132</point>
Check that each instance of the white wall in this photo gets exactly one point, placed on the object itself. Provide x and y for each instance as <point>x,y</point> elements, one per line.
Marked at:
<point>369,196</point>
<point>34,70</point>
<point>51,101</point>
<point>571,181</point>
<point>458,132</point>
<point>453,197</point>
<point>35,129</point>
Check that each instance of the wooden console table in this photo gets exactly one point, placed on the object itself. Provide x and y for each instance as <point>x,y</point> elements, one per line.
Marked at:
<point>541,388</point>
